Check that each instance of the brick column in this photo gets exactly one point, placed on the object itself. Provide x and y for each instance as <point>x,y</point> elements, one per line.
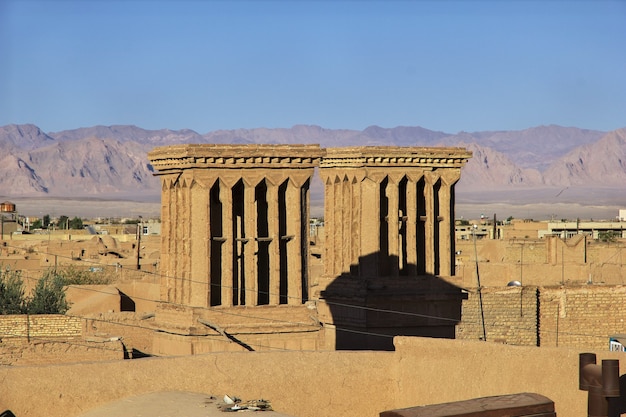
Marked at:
<point>430,221</point>
<point>393,199</point>
<point>346,224</point>
<point>328,178</point>
<point>200,253</point>
<point>167,241</point>
<point>273,225</point>
<point>370,225</point>
<point>355,222</point>
<point>294,236</point>
<point>185,229</point>
<point>446,223</point>
<point>250,245</point>
<point>180,273</point>
<point>411,222</point>
<point>226,197</point>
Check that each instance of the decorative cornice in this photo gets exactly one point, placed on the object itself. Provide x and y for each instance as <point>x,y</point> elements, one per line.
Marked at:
<point>166,159</point>
<point>175,158</point>
<point>391,156</point>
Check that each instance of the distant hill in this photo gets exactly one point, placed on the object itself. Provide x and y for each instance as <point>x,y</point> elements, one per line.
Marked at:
<point>602,162</point>
<point>111,162</point>
<point>535,148</point>
<point>22,137</point>
<point>491,169</point>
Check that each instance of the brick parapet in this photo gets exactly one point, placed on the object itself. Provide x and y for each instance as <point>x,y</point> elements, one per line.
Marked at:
<point>510,315</point>
<point>51,338</point>
<point>581,317</point>
<point>40,326</point>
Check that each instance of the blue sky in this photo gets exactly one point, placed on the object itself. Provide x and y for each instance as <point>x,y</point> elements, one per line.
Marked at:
<point>208,65</point>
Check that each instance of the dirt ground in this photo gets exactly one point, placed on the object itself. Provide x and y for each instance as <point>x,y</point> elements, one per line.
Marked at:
<point>170,404</point>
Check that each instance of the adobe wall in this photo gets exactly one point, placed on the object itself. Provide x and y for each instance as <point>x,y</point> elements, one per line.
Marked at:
<point>20,352</point>
<point>135,329</point>
<point>540,262</point>
<point>325,383</point>
<point>141,297</point>
<point>581,317</point>
<point>45,339</point>
<point>510,316</point>
<point>188,330</point>
<point>436,371</point>
<point>40,326</point>
<point>173,344</point>
<point>322,383</point>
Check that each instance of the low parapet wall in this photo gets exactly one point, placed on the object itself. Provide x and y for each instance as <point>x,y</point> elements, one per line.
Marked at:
<point>579,317</point>
<point>51,338</point>
<point>40,326</point>
<point>312,384</point>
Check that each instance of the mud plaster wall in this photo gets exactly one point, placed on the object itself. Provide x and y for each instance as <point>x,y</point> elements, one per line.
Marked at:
<point>137,332</point>
<point>325,383</point>
<point>576,317</point>
<point>20,352</point>
<point>540,262</point>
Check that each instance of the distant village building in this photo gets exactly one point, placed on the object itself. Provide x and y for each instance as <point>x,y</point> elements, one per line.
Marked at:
<point>529,229</point>
<point>7,207</point>
<point>235,233</point>
<point>8,219</point>
<point>594,229</point>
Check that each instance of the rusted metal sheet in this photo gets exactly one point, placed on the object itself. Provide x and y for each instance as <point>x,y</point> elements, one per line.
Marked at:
<point>513,405</point>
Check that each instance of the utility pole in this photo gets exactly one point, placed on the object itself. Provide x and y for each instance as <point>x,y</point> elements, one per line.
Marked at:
<point>562,266</point>
<point>520,282</point>
<point>480,295</point>
<point>139,231</point>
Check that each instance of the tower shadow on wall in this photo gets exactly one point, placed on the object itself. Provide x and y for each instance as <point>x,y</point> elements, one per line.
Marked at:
<point>617,405</point>
<point>368,308</point>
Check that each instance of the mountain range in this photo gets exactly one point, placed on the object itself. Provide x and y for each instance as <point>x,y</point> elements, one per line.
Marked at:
<point>110,162</point>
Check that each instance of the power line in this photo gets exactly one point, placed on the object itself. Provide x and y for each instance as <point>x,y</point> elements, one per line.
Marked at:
<point>273,319</point>
<point>213,285</point>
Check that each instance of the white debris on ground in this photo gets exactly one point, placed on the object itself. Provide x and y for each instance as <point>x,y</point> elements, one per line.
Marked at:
<point>234,404</point>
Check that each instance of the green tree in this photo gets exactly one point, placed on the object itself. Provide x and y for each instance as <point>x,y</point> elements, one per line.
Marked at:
<point>46,221</point>
<point>76,223</point>
<point>63,222</point>
<point>37,224</point>
<point>12,300</point>
<point>49,295</point>
<point>607,236</point>
<point>74,275</point>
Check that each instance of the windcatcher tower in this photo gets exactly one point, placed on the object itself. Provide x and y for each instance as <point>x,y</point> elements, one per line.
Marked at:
<point>235,246</point>
<point>389,225</point>
<point>235,232</point>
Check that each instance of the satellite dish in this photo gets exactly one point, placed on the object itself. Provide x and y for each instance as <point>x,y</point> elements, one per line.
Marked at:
<point>514,284</point>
